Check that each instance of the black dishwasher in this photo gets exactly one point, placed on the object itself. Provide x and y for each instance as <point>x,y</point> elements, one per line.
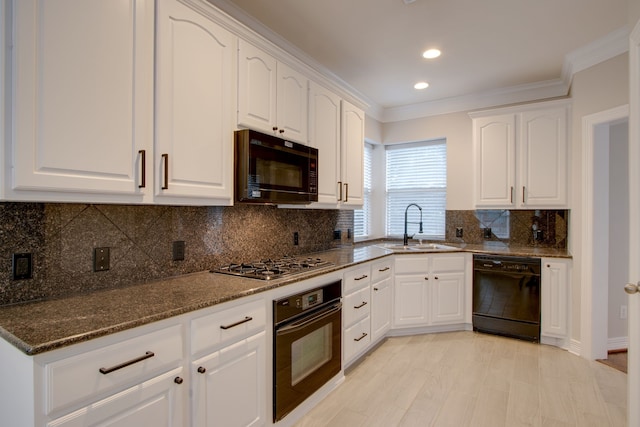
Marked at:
<point>506,296</point>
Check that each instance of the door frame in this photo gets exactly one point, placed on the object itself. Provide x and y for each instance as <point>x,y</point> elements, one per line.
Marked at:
<point>593,312</point>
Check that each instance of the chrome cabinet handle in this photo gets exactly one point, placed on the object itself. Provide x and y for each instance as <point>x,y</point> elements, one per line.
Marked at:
<point>364,276</point>
<point>106,371</point>
<point>239,322</point>
<point>165,182</point>
<point>361,305</point>
<point>364,334</point>
<point>143,168</point>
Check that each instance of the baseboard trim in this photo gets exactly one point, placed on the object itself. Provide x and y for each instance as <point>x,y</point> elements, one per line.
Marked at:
<point>617,343</point>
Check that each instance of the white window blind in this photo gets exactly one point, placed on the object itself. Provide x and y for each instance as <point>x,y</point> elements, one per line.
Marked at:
<point>362,217</point>
<point>417,173</point>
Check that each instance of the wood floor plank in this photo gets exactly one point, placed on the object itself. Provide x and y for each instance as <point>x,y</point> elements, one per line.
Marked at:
<point>471,379</point>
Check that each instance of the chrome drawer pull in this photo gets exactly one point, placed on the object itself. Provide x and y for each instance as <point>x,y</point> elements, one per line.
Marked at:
<point>361,305</point>
<point>240,322</point>
<point>147,355</point>
<point>364,334</point>
<point>364,276</point>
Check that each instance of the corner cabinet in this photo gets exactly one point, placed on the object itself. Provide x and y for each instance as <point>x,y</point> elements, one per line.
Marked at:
<point>272,97</point>
<point>195,99</point>
<point>429,290</point>
<point>521,156</point>
<point>82,79</point>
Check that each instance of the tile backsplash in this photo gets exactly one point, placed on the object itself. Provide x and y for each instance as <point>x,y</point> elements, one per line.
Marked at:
<point>62,237</point>
<point>543,228</point>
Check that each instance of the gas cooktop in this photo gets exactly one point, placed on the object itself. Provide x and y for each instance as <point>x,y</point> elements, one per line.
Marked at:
<point>268,269</point>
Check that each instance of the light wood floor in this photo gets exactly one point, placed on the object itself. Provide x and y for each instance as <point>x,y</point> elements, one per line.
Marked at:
<point>470,379</point>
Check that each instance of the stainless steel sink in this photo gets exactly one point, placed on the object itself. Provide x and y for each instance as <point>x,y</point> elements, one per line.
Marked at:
<point>418,247</point>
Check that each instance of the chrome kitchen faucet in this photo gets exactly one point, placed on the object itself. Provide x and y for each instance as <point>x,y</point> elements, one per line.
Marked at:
<point>406,236</point>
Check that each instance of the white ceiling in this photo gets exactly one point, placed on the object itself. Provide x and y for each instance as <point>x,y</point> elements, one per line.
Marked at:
<point>489,46</point>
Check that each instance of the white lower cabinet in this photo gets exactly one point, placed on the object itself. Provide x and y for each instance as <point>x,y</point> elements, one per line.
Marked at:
<point>155,402</point>
<point>229,385</point>
<point>554,298</point>
<point>381,297</point>
<point>229,370</point>
<point>429,289</point>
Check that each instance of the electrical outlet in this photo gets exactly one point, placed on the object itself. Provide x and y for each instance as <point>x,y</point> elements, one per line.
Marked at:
<point>337,234</point>
<point>296,239</point>
<point>623,311</point>
<point>178,250</point>
<point>22,266</point>
<point>101,259</point>
<point>459,232</point>
<point>487,232</point>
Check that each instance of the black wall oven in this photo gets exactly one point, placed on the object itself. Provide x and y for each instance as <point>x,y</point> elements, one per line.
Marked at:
<point>269,169</point>
<point>307,345</point>
<point>506,296</point>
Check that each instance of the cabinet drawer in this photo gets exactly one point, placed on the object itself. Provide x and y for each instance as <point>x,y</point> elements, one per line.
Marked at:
<point>381,270</point>
<point>357,278</point>
<point>227,326</point>
<point>357,338</point>
<point>357,305</point>
<point>110,368</point>
<point>447,263</point>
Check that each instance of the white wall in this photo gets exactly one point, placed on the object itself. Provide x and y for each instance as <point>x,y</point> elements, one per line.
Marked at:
<point>618,226</point>
<point>596,89</point>
<point>456,129</point>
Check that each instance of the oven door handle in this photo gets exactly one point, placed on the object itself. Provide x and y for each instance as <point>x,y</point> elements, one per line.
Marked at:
<point>296,326</point>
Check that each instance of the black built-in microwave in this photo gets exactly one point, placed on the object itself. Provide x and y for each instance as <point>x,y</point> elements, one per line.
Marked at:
<point>273,170</point>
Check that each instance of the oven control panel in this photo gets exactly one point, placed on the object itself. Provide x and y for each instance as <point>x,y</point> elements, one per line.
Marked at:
<point>309,300</point>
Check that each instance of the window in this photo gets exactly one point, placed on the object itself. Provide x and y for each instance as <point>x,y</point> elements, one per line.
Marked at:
<point>417,173</point>
<point>362,217</point>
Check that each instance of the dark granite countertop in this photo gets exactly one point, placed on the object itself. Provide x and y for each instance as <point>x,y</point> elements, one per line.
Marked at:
<point>42,326</point>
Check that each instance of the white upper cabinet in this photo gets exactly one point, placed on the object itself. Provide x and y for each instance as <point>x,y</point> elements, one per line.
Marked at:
<point>324,134</point>
<point>82,78</point>
<point>521,157</point>
<point>272,97</point>
<point>194,107</point>
<point>352,156</point>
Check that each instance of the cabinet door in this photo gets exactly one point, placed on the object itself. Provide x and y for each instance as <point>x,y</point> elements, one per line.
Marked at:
<point>324,134</point>
<point>83,86</point>
<point>156,402</point>
<point>543,165</point>
<point>352,155</point>
<point>292,104</point>
<point>194,106</point>
<point>381,299</point>
<point>447,298</point>
<point>554,298</point>
<point>257,78</point>
<point>494,144</point>
<point>229,385</point>
<point>411,301</point>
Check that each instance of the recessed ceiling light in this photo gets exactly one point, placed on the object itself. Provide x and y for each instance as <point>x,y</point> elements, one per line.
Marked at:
<point>431,53</point>
<point>421,85</point>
